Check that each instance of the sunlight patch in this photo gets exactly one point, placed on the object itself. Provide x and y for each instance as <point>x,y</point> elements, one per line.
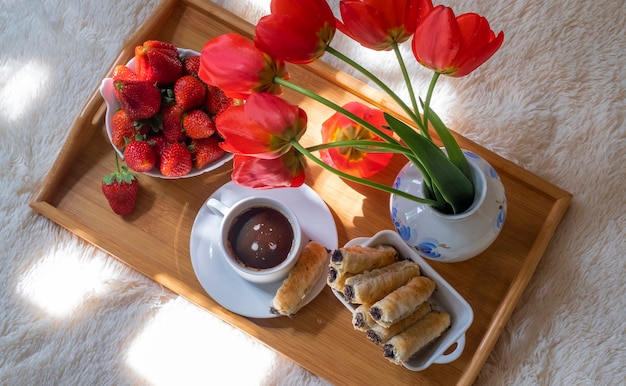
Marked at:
<point>20,86</point>
<point>444,99</point>
<point>186,345</point>
<point>60,281</point>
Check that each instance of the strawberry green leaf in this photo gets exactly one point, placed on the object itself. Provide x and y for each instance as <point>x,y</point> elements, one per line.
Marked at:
<point>167,96</point>
<point>120,175</point>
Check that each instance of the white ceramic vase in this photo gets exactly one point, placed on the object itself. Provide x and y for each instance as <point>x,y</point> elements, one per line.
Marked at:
<point>445,237</point>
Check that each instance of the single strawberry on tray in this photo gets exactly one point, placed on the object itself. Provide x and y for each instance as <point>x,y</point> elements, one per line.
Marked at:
<point>120,188</point>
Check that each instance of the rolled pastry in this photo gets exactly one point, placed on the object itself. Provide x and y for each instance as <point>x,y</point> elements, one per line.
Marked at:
<point>289,298</point>
<point>361,318</point>
<point>371,286</point>
<point>401,347</point>
<point>402,302</point>
<point>357,258</point>
<point>337,279</point>
<point>379,334</point>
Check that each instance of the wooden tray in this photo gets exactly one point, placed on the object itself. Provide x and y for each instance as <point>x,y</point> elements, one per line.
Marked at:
<point>155,239</point>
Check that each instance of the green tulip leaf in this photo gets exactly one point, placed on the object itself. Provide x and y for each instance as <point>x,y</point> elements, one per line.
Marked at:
<point>455,154</point>
<point>452,184</point>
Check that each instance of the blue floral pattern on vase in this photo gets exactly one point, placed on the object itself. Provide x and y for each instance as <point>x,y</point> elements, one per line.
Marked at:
<point>493,173</point>
<point>501,218</point>
<point>406,232</point>
<point>429,248</point>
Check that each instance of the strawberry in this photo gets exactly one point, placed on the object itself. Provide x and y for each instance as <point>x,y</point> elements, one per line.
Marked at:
<point>140,99</point>
<point>139,156</point>
<point>120,189</point>
<point>158,62</point>
<point>191,65</point>
<point>122,72</point>
<point>197,124</point>
<point>176,160</point>
<point>172,124</point>
<point>122,129</point>
<point>205,151</point>
<point>216,101</point>
<point>189,92</point>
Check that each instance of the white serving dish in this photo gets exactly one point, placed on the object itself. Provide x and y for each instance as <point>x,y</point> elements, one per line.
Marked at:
<point>108,94</point>
<point>445,298</point>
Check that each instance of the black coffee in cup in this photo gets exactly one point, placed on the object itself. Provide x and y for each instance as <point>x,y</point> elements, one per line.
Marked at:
<point>260,237</point>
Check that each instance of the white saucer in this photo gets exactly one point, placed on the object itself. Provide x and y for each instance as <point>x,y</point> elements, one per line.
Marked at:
<point>220,281</point>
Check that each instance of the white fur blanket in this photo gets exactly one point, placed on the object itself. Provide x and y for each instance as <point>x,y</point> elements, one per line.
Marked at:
<point>553,99</point>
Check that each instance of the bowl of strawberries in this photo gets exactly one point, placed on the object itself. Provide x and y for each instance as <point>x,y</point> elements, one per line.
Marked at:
<point>160,115</point>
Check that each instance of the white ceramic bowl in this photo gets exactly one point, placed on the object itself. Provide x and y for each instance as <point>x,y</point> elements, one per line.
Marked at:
<point>445,298</point>
<point>108,93</point>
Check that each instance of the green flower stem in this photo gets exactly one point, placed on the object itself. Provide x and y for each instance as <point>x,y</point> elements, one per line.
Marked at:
<point>361,181</point>
<point>405,74</point>
<point>411,113</point>
<point>366,145</point>
<point>431,88</point>
<point>335,107</point>
<point>117,163</point>
<point>377,147</point>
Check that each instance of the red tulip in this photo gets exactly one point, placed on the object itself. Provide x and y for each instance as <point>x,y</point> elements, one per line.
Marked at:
<point>284,171</point>
<point>349,159</point>
<point>296,31</point>
<point>263,127</point>
<point>232,63</point>
<point>376,24</point>
<point>454,46</point>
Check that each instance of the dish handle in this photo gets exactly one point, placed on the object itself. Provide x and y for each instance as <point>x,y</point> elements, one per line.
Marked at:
<point>455,354</point>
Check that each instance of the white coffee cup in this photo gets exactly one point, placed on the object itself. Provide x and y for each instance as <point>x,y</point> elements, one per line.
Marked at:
<point>259,237</point>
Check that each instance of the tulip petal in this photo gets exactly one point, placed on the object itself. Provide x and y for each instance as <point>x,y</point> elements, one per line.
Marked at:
<point>285,171</point>
<point>363,23</point>
<point>479,42</point>
<point>364,165</point>
<point>376,25</point>
<point>232,63</point>
<point>454,46</point>
<point>296,32</point>
<point>474,30</point>
<point>288,38</point>
<point>416,12</point>
<point>436,41</point>
<point>241,134</point>
<point>316,10</point>
<point>348,159</point>
<point>263,127</point>
<point>278,117</point>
